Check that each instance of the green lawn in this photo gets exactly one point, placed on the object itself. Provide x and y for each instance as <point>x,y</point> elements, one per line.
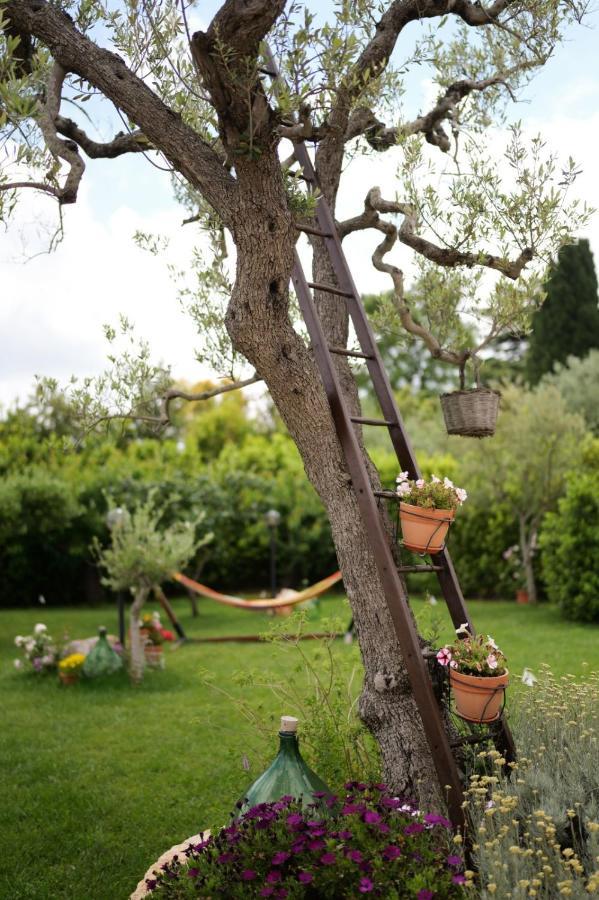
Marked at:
<point>99,779</point>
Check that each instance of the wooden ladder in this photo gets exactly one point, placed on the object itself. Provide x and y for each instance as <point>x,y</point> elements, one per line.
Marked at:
<point>442,749</point>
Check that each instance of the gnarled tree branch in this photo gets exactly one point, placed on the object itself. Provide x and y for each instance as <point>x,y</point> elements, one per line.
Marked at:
<point>135,142</point>
<point>60,149</point>
<point>380,137</point>
<point>184,148</point>
<point>442,256</point>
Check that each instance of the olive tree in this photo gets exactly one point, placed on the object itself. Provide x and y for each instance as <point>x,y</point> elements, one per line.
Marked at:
<point>199,101</point>
<point>141,556</point>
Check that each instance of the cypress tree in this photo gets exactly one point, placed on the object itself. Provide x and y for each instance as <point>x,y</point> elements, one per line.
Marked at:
<point>567,324</point>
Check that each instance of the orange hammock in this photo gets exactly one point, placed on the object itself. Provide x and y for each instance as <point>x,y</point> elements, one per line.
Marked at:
<point>267,603</point>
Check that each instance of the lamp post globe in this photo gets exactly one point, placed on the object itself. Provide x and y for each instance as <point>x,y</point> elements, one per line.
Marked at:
<point>272,518</point>
<point>115,517</point>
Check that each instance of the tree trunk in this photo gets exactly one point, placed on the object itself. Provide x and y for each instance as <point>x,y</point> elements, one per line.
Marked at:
<point>259,327</point>
<point>137,660</point>
<point>527,537</point>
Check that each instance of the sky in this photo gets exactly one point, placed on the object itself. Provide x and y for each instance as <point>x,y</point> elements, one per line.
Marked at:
<point>53,306</point>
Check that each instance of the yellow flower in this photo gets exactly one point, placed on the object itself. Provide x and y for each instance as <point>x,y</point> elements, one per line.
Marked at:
<point>71,663</point>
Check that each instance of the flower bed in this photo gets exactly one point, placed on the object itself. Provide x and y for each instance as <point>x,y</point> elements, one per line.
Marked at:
<point>371,843</point>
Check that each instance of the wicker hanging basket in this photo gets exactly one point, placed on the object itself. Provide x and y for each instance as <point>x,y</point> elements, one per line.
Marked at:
<point>471,413</point>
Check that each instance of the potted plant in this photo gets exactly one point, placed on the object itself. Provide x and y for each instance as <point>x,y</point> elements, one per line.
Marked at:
<point>477,674</point>
<point>426,510</point>
<point>512,558</point>
<point>69,668</point>
<point>378,844</point>
<point>39,650</point>
<point>154,636</point>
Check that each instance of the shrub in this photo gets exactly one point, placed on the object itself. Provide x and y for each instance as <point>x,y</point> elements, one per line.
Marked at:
<point>569,542</point>
<point>536,833</point>
<point>377,844</point>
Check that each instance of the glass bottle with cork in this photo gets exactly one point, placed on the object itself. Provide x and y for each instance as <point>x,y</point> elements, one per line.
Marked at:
<point>288,775</point>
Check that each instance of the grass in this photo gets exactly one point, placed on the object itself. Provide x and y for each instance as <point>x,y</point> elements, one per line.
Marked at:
<point>100,778</point>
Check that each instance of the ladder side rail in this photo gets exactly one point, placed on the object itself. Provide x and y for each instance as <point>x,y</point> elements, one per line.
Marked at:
<point>448,582</point>
<point>392,586</point>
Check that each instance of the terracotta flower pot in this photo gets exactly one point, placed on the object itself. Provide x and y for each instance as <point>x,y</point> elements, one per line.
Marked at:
<point>68,677</point>
<point>154,656</point>
<point>424,530</point>
<point>478,698</point>
<point>522,596</point>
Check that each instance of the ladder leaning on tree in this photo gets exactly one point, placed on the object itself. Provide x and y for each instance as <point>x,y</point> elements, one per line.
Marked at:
<point>441,746</point>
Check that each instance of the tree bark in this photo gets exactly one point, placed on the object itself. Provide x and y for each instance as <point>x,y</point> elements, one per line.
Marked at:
<point>137,661</point>
<point>527,536</point>
<point>259,327</point>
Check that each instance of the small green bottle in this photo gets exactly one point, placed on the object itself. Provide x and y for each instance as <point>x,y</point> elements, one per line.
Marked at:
<point>287,775</point>
<point>102,659</point>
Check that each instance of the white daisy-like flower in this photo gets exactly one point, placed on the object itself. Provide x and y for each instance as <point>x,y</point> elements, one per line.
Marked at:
<point>40,628</point>
<point>528,678</point>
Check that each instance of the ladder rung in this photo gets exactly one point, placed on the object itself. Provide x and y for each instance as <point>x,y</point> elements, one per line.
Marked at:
<point>361,421</point>
<point>340,351</point>
<point>420,568</point>
<point>309,230</point>
<point>388,495</point>
<point>471,739</point>
<point>329,289</point>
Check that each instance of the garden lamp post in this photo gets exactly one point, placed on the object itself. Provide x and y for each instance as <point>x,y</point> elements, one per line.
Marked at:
<point>114,519</point>
<point>272,519</point>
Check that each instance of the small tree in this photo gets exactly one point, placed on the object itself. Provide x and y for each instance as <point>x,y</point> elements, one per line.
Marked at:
<point>577,382</point>
<point>567,324</point>
<point>141,556</point>
<point>536,442</point>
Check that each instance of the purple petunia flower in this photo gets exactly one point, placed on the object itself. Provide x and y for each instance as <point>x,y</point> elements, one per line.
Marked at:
<point>371,817</point>
<point>435,819</point>
<point>366,886</point>
<point>305,877</point>
<point>294,820</point>
<point>328,859</point>
<point>454,860</point>
<point>355,855</point>
<point>351,809</point>
<point>225,858</point>
<point>193,873</point>
<point>380,787</point>
<point>391,802</point>
<point>279,858</point>
<point>248,875</point>
<point>425,894</point>
<point>383,828</point>
<point>298,846</point>
<point>345,835</point>
<point>273,876</point>
<point>267,891</point>
<point>319,794</point>
<point>317,844</point>
<point>413,828</point>
<point>390,852</point>
<point>459,879</point>
<point>282,892</point>
<point>151,883</point>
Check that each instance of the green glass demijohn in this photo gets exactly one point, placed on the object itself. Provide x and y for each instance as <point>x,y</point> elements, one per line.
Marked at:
<point>287,775</point>
<point>102,659</point>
